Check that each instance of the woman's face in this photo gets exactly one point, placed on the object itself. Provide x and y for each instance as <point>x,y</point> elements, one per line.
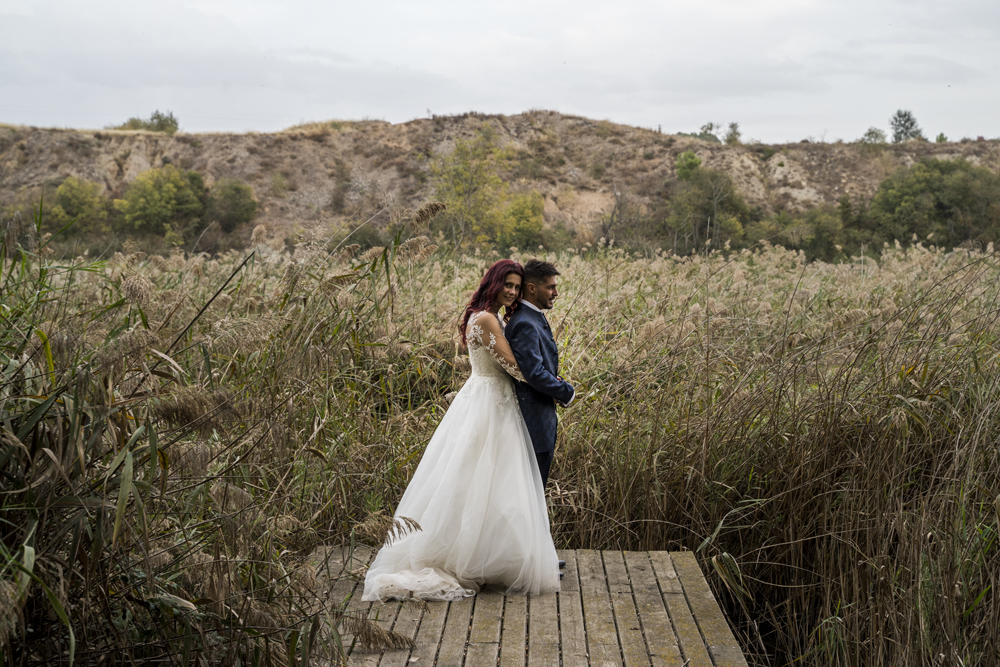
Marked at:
<point>511,289</point>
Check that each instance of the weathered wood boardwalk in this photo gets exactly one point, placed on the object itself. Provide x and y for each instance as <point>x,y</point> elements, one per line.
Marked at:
<point>616,608</point>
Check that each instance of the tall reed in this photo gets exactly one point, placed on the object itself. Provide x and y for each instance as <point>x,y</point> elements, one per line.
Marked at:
<point>822,435</point>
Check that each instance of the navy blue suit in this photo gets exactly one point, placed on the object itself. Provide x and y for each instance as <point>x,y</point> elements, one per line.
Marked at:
<point>535,350</point>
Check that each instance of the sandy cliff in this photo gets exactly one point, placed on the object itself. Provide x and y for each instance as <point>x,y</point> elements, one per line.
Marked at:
<point>325,172</point>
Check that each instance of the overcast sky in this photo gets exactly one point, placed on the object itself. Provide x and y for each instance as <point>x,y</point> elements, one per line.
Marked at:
<point>784,69</point>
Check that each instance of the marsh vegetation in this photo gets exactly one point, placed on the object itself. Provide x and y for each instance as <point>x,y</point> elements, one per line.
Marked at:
<point>180,433</point>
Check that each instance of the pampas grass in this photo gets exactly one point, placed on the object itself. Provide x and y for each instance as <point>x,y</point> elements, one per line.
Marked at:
<point>821,435</point>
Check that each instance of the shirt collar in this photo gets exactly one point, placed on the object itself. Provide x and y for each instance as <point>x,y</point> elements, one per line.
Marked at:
<point>532,306</point>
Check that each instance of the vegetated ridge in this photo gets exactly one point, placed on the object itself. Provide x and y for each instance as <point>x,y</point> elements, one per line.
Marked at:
<point>325,172</point>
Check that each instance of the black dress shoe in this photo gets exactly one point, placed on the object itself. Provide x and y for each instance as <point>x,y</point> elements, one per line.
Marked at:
<point>561,574</point>
<point>562,564</point>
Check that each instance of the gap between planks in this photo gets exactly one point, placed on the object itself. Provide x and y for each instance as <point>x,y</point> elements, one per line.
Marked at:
<point>615,609</point>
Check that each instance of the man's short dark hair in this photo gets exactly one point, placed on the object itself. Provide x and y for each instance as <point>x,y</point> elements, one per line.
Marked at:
<point>535,271</point>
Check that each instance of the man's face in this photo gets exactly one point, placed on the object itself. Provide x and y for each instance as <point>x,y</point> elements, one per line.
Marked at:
<point>545,292</point>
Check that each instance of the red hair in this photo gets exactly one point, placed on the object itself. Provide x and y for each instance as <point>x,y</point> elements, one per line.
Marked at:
<point>489,288</point>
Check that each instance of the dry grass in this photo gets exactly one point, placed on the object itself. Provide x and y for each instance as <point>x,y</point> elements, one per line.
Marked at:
<point>824,434</point>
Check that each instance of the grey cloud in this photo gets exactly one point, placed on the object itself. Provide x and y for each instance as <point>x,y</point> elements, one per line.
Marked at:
<point>783,69</point>
<point>911,67</point>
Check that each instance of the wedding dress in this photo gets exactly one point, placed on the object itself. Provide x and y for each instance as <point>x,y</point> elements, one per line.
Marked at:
<point>476,494</point>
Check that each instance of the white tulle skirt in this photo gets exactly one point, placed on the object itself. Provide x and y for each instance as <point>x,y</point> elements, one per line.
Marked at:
<point>478,497</point>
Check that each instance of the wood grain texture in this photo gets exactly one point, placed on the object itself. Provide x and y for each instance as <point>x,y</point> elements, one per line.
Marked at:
<point>705,609</point>
<point>543,631</point>
<point>355,606</point>
<point>656,626</point>
<point>630,637</point>
<point>429,634</point>
<point>572,634</point>
<point>456,633</point>
<point>513,640</point>
<point>484,637</point>
<point>614,609</point>
<point>385,616</point>
<point>408,620</point>
<point>693,649</point>
<point>598,617</point>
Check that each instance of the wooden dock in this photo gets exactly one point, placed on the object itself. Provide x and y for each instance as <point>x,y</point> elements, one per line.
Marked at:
<point>616,608</point>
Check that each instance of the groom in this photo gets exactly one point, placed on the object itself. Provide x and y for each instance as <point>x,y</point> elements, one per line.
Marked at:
<point>535,350</point>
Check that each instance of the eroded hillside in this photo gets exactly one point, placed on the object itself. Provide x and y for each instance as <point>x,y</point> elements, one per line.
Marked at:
<point>329,172</point>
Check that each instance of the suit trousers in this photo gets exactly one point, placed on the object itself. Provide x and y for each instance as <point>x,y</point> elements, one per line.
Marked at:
<point>544,463</point>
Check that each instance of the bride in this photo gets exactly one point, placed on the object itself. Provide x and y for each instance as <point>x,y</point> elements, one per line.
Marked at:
<point>477,493</point>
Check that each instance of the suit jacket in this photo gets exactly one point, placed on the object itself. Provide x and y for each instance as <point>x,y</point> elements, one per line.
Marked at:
<point>535,350</point>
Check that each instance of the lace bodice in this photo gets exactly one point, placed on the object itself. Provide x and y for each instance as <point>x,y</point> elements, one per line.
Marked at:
<point>489,353</point>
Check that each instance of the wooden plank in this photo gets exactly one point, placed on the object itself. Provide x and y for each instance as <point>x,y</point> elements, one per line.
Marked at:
<point>456,633</point>
<point>407,622</point>
<point>602,636</point>
<point>659,633</point>
<point>714,628</point>
<point>513,639</point>
<point>630,637</point>
<point>355,606</point>
<point>543,631</point>
<point>572,635</point>
<point>385,616</point>
<point>693,648</point>
<point>614,609</point>
<point>332,574</point>
<point>429,635</point>
<point>332,566</point>
<point>663,567</point>
<point>484,636</point>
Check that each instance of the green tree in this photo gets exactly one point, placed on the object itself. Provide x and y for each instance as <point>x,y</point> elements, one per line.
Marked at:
<point>818,232</point>
<point>873,136</point>
<point>704,210</point>
<point>904,126</point>
<point>686,165</point>
<point>230,203</point>
<point>733,134</point>
<point>710,132</point>
<point>941,138</point>
<point>79,200</point>
<point>468,181</point>
<point>163,196</point>
<point>523,221</point>
<point>953,200</point>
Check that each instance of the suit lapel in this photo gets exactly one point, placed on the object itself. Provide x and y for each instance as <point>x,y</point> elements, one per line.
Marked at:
<point>545,321</point>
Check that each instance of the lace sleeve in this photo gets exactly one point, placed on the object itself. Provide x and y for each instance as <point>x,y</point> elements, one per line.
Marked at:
<point>498,347</point>
<point>474,332</point>
<point>509,366</point>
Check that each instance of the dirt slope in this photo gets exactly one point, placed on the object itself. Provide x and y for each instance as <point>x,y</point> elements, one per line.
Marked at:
<point>326,172</point>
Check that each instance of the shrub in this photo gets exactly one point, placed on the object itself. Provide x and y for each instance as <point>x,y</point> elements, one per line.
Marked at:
<point>162,196</point>
<point>704,135</point>
<point>704,209</point>
<point>733,134</point>
<point>468,181</point>
<point>523,221</point>
<point>230,203</point>
<point>953,200</point>
<point>80,200</point>
<point>687,163</point>
<point>157,122</point>
<point>873,136</point>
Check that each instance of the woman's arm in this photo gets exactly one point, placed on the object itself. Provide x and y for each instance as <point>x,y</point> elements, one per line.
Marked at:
<point>493,340</point>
